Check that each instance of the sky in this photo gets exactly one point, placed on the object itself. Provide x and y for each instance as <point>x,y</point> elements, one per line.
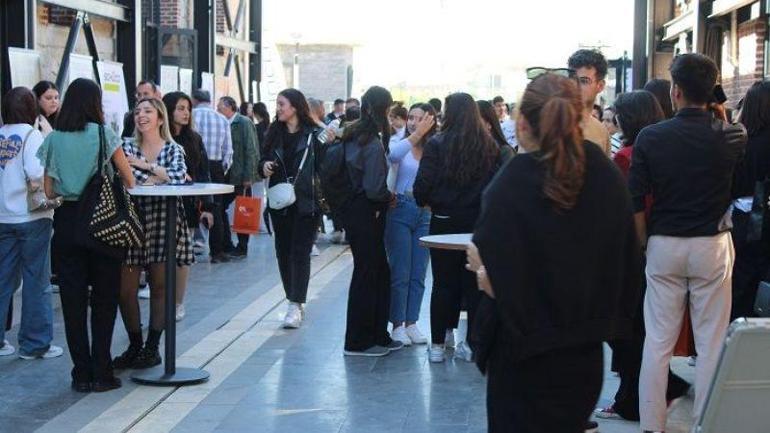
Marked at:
<point>428,42</point>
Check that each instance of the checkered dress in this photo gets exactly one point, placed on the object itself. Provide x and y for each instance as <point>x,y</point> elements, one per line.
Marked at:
<point>171,157</point>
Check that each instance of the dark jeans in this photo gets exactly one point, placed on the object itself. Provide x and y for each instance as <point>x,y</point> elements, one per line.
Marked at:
<point>452,283</point>
<point>369,295</point>
<point>227,237</point>
<point>216,233</point>
<point>552,392</point>
<point>294,236</point>
<point>752,261</point>
<point>79,268</point>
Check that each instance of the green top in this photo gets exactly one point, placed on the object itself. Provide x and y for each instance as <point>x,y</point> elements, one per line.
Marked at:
<point>69,158</point>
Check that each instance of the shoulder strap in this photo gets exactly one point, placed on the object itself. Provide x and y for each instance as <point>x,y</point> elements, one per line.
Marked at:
<point>304,156</point>
<point>23,149</point>
<point>100,160</point>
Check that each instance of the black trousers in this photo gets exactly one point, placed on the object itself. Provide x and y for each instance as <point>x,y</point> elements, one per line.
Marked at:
<point>554,392</point>
<point>243,240</point>
<point>752,261</point>
<point>216,233</point>
<point>453,285</point>
<point>294,237</point>
<point>369,295</point>
<point>78,269</point>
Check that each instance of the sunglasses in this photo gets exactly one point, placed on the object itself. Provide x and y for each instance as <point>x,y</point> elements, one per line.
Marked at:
<point>537,71</point>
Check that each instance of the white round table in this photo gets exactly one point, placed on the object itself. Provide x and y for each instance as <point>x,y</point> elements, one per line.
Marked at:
<point>169,375</point>
<point>458,241</point>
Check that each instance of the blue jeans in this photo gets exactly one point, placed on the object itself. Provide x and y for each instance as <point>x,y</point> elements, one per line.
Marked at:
<point>406,224</point>
<point>24,256</point>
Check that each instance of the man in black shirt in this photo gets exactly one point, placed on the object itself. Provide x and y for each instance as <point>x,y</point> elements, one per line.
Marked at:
<point>686,164</point>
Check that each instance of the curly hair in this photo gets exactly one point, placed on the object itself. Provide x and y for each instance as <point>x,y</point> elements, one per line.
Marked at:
<point>589,59</point>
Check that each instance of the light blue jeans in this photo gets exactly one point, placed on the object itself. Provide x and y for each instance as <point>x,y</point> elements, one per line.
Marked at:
<point>25,256</point>
<point>406,224</point>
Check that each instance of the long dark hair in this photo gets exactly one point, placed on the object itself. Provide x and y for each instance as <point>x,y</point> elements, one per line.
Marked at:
<point>39,89</point>
<point>661,89</point>
<point>489,116</point>
<point>428,110</point>
<point>636,110</point>
<point>553,108</point>
<point>187,135</point>
<point>260,109</point>
<point>244,110</point>
<point>755,114</point>
<point>277,130</point>
<point>472,151</point>
<point>82,105</point>
<point>374,118</point>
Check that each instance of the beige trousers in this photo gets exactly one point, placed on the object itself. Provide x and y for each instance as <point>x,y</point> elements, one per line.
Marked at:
<point>703,267</point>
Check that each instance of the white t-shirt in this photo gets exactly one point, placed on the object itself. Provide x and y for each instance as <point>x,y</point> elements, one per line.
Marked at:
<point>509,131</point>
<point>13,184</point>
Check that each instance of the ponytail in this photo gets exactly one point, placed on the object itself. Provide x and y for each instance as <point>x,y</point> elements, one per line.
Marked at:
<point>561,142</point>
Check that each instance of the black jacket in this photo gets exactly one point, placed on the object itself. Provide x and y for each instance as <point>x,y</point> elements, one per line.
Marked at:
<point>432,188</point>
<point>561,277</point>
<point>306,181</point>
<point>199,173</point>
<point>368,170</point>
<point>755,165</point>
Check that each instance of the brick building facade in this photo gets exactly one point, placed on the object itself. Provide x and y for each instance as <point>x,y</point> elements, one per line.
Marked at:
<point>749,61</point>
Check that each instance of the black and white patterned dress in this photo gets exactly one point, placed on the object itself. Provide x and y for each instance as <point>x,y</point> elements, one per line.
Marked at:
<point>171,157</point>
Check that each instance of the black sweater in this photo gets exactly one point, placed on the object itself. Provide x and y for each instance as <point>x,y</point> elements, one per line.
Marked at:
<point>432,187</point>
<point>755,165</point>
<point>561,278</point>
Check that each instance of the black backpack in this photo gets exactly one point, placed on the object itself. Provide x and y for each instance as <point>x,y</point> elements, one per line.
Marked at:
<point>335,179</point>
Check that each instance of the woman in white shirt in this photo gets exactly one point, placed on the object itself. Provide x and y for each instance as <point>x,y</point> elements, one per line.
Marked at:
<point>406,223</point>
<point>24,236</point>
<point>397,116</point>
<point>48,103</point>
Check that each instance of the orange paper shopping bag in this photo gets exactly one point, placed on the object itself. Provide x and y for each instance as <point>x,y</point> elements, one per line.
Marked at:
<point>246,214</point>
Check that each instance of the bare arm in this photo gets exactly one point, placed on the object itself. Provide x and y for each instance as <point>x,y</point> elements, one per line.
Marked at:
<point>119,158</point>
<point>48,187</point>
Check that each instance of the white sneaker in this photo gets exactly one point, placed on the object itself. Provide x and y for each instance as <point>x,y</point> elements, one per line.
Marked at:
<point>400,334</point>
<point>315,252</point>
<point>293,318</point>
<point>436,353</point>
<point>449,340</point>
<point>414,334</point>
<point>144,292</point>
<point>691,361</point>
<point>464,352</point>
<point>6,349</point>
<point>180,312</point>
<point>52,352</point>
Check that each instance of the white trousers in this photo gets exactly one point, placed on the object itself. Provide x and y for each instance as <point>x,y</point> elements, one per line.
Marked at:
<point>703,267</point>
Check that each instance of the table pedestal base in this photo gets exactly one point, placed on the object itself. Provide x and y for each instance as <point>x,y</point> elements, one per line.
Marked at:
<point>182,376</point>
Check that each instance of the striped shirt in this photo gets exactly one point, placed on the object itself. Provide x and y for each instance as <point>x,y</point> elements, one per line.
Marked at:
<point>214,128</point>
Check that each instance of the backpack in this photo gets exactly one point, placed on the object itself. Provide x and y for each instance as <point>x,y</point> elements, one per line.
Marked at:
<point>335,179</point>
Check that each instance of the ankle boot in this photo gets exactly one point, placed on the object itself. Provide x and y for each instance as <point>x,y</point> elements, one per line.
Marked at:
<point>149,356</point>
<point>127,358</point>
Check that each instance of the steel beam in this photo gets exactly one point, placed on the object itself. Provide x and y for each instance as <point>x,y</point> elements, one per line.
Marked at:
<point>238,44</point>
<point>104,9</point>
<point>72,39</point>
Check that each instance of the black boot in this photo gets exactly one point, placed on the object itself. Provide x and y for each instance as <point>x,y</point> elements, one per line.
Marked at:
<point>127,358</point>
<point>149,355</point>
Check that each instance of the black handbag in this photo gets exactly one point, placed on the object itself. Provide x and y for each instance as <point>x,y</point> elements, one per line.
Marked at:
<point>109,222</point>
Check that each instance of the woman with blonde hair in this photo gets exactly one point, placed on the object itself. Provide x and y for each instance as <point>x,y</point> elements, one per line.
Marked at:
<point>155,159</point>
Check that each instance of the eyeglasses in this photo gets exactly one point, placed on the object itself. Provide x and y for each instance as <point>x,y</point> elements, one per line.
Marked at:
<point>586,81</point>
<point>537,71</point>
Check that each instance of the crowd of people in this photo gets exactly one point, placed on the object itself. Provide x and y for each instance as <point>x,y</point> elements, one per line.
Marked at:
<point>590,224</point>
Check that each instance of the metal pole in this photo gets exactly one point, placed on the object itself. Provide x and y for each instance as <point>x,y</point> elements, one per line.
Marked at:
<point>71,41</point>
<point>91,43</point>
<point>170,367</point>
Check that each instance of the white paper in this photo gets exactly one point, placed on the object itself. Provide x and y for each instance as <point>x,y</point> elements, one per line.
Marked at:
<point>186,80</point>
<point>114,94</point>
<point>169,78</point>
<point>25,67</point>
<point>81,67</point>
<point>207,83</point>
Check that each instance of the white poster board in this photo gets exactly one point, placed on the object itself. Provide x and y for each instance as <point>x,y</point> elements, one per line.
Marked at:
<point>81,67</point>
<point>114,95</point>
<point>186,81</point>
<point>207,83</point>
<point>169,78</point>
<point>25,67</point>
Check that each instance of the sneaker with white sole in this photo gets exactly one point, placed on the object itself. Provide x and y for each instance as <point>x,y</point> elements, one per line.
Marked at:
<point>6,349</point>
<point>607,413</point>
<point>180,312</point>
<point>394,345</point>
<point>293,318</point>
<point>337,237</point>
<point>463,351</point>
<point>436,353</point>
<point>374,351</point>
<point>449,340</point>
<point>400,334</point>
<point>144,292</point>
<point>315,252</point>
<point>691,361</point>
<point>414,334</point>
<point>52,352</point>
